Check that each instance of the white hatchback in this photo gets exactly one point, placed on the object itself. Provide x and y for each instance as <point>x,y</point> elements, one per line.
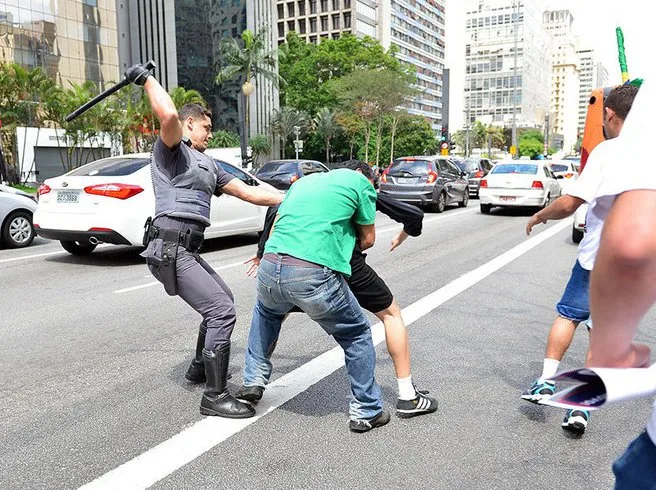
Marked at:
<point>109,201</point>
<point>518,183</point>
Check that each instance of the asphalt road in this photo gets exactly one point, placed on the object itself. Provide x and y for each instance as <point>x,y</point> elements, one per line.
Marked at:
<point>93,357</point>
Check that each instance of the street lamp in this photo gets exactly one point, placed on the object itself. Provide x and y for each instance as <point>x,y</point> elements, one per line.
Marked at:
<point>297,142</point>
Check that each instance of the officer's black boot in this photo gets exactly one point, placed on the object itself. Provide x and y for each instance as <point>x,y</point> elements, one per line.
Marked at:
<point>216,398</point>
<point>196,371</point>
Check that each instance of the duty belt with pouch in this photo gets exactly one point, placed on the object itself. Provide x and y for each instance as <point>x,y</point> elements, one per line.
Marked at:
<point>171,239</point>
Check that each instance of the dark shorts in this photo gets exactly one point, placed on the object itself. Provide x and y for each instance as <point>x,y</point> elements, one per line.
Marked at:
<point>368,288</point>
<point>575,303</point>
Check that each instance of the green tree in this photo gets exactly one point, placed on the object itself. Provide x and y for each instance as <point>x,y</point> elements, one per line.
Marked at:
<point>246,60</point>
<point>327,127</point>
<point>283,121</point>
<point>224,139</point>
<point>260,147</point>
<point>415,136</point>
<point>307,67</point>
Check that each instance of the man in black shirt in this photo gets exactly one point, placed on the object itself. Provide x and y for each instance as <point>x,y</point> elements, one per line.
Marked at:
<point>373,295</point>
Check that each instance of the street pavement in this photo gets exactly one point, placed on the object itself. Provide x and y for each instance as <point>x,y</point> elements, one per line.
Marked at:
<point>94,354</point>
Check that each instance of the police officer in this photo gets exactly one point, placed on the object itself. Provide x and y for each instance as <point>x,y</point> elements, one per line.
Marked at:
<point>184,180</point>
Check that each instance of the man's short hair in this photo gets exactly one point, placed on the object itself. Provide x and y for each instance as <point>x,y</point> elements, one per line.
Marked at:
<point>620,99</point>
<point>366,170</point>
<point>193,110</point>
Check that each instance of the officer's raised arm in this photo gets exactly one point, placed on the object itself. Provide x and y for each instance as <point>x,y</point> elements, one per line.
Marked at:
<point>160,102</point>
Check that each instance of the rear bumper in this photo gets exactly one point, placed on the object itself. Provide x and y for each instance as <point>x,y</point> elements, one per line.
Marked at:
<point>415,197</point>
<point>105,236</point>
<point>511,198</point>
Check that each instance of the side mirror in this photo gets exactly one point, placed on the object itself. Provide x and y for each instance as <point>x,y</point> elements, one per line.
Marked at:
<point>560,177</point>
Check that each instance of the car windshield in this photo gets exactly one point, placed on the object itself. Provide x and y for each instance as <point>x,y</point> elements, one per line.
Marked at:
<point>559,168</point>
<point>467,165</point>
<point>414,167</point>
<point>515,168</point>
<point>278,167</point>
<point>111,167</point>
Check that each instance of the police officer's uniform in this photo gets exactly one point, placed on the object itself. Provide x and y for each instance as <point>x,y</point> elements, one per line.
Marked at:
<point>184,181</point>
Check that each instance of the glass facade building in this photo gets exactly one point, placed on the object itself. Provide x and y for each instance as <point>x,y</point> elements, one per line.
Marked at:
<point>72,40</point>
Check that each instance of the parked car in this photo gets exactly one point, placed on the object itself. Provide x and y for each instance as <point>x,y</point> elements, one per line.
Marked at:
<point>578,226</point>
<point>564,169</point>
<point>281,174</point>
<point>518,183</point>
<point>109,201</point>
<point>476,169</point>
<point>426,180</point>
<point>16,210</point>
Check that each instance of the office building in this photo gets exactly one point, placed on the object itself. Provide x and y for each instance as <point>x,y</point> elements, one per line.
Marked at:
<point>564,107</point>
<point>71,40</point>
<point>592,75</point>
<point>499,80</point>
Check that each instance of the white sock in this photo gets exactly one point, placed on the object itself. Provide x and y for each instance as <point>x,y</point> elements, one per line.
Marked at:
<point>406,388</point>
<point>549,368</point>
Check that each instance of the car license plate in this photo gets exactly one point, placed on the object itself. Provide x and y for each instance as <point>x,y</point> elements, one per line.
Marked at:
<point>68,196</point>
<point>405,180</point>
<point>507,198</point>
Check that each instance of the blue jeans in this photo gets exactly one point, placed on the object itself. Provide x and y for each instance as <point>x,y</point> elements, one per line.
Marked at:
<point>636,468</point>
<point>325,296</point>
<point>575,303</point>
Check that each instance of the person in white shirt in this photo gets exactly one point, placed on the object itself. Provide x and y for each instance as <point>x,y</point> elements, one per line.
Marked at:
<point>574,308</point>
<point>623,281</point>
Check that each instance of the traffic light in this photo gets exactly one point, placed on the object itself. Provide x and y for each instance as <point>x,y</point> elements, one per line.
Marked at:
<point>452,145</point>
<point>445,134</point>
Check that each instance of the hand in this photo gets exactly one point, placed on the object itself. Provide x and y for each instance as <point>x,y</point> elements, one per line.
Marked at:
<point>398,240</point>
<point>533,220</point>
<point>254,262</point>
<point>637,357</point>
<point>137,74</point>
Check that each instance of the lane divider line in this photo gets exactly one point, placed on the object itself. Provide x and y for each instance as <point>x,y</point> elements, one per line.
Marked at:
<point>160,461</point>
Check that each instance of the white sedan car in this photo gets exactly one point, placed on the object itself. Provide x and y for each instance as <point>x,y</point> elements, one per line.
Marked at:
<point>109,201</point>
<point>518,183</point>
<point>16,209</point>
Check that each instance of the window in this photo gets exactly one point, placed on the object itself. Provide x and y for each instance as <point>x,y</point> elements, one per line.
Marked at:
<point>335,4</point>
<point>324,23</point>
<point>324,5</point>
<point>313,6</point>
<point>290,9</point>
<point>281,11</point>
<point>347,20</point>
<point>281,29</point>
<point>347,4</point>
<point>112,166</point>
<point>301,7</point>
<point>301,26</point>
<point>313,25</point>
<point>290,25</point>
<point>336,21</point>
<point>243,176</point>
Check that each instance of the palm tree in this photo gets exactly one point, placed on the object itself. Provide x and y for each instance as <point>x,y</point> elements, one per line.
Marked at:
<point>247,60</point>
<point>182,96</point>
<point>327,127</point>
<point>260,146</point>
<point>283,122</point>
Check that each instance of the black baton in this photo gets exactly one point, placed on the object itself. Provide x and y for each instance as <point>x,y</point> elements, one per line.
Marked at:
<point>85,107</point>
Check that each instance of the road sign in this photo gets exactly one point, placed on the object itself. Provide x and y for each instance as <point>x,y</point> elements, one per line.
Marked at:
<point>444,145</point>
<point>513,150</point>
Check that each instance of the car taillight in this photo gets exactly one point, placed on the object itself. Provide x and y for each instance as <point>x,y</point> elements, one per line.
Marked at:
<point>568,176</point>
<point>293,178</point>
<point>118,191</point>
<point>43,189</point>
<point>478,174</point>
<point>483,183</point>
<point>537,185</point>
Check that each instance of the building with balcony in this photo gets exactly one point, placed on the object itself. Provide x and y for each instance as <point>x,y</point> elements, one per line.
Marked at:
<point>592,75</point>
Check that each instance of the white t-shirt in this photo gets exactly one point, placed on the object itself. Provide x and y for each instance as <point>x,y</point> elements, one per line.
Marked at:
<point>634,170</point>
<point>585,187</point>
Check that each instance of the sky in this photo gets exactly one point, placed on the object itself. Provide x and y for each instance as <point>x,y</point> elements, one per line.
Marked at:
<point>594,21</point>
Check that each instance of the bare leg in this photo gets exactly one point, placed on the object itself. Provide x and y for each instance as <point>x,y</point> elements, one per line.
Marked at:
<point>560,337</point>
<point>396,338</point>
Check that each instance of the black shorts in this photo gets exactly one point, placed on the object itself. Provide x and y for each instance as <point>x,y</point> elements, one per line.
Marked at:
<point>368,288</point>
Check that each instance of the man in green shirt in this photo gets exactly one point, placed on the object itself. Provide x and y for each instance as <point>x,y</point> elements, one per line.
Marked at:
<point>304,265</point>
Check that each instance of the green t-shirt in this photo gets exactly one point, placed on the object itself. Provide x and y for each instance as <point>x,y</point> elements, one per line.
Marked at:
<point>316,220</point>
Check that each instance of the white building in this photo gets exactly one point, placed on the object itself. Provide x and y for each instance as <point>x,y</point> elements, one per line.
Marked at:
<point>592,75</point>
<point>565,91</point>
<point>498,80</point>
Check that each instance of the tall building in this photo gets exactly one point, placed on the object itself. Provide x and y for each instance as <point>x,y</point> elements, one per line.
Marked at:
<point>415,27</point>
<point>564,108</point>
<point>592,75</point>
<point>183,37</point>
<point>493,91</point>
<point>72,40</point>
<point>417,30</point>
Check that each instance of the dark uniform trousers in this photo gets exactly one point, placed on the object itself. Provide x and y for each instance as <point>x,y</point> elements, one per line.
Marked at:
<point>198,284</point>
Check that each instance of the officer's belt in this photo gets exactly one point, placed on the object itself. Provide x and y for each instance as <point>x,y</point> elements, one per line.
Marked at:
<point>189,239</point>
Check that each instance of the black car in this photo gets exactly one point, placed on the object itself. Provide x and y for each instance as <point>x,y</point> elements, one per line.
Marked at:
<point>476,169</point>
<point>426,180</point>
<point>281,174</point>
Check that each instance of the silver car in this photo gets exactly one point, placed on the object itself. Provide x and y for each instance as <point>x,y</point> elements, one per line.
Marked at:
<point>16,210</point>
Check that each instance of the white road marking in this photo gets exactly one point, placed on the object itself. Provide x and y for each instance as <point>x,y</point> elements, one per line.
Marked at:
<point>172,454</point>
<point>46,254</point>
<point>235,264</point>
<point>452,214</point>
<point>154,283</point>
